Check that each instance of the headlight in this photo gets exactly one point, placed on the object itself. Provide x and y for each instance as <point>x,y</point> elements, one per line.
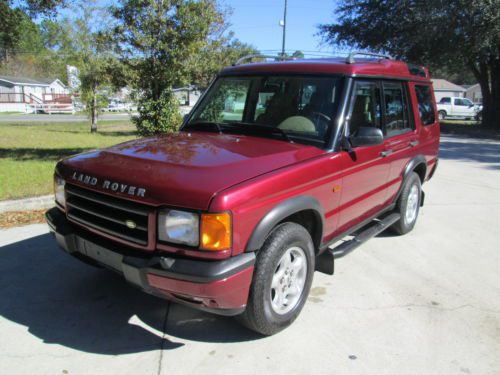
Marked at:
<point>179,227</point>
<point>59,190</point>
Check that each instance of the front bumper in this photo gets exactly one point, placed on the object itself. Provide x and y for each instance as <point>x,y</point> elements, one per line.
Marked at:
<point>220,287</point>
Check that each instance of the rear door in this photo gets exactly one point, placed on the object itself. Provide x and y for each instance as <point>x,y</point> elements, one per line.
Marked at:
<point>365,169</point>
<point>399,132</point>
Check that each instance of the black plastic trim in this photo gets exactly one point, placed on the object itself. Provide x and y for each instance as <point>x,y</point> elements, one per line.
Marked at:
<point>433,169</point>
<point>356,227</point>
<point>282,211</point>
<point>412,164</point>
<point>200,271</point>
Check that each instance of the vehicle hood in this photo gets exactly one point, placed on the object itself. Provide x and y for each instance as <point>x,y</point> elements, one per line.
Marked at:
<point>182,169</point>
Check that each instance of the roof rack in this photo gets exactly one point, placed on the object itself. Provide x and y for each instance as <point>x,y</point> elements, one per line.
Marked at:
<point>350,58</point>
<point>250,57</point>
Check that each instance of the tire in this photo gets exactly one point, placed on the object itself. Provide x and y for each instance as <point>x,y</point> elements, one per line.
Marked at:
<point>266,311</point>
<point>408,204</point>
<point>441,115</point>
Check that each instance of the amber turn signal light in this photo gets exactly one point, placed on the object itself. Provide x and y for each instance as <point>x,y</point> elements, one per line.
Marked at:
<point>216,231</point>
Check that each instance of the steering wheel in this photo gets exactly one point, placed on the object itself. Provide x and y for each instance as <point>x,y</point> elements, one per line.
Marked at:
<point>322,115</point>
<point>322,124</point>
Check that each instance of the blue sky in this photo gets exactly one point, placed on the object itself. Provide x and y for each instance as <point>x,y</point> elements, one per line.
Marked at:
<point>257,22</point>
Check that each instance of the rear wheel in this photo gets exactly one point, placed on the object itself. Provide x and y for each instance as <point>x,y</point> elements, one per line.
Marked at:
<point>281,281</point>
<point>442,115</point>
<point>409,204</point>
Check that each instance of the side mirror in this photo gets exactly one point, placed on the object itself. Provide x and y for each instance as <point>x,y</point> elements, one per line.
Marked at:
<point>367,136</point>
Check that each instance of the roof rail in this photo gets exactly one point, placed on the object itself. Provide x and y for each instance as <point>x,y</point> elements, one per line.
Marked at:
<point>250,57</point>
<point>350,58</point>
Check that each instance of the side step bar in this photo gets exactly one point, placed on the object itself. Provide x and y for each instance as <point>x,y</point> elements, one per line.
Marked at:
<point>371,231</point>
<point>324,263</point>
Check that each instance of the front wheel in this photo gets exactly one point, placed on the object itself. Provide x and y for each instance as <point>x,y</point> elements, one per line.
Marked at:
<point>281,281</point>
<point>409,204</point>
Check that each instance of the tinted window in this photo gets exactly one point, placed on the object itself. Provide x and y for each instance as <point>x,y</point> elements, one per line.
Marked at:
<point>366,108</point>
<point>461,102</point>
<point>425,107</point>
<point>302,107</point>
<point>443,100</point>
<point>396,112</point>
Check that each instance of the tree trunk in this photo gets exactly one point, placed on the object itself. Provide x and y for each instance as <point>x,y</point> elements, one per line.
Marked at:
<point>488,77</point>
<point>93,127</point>
<point>495,94</point>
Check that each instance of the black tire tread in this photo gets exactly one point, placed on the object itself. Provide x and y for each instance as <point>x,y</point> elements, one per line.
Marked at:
<point>400,226</point>
<point>253,317</point>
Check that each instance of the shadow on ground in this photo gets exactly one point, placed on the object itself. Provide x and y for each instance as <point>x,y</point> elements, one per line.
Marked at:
<point>106,132</point>
<point>45,154</point>
<point>62,301</point>
<point>471,150</point>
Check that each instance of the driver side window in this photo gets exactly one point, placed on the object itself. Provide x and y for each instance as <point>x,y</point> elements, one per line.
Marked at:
<point>365,107</point>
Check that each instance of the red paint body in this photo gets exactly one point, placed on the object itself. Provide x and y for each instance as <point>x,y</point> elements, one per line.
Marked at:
<point>249,175</point>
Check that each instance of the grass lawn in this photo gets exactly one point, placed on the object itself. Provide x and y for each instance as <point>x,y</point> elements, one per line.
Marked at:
<point>29,152</point>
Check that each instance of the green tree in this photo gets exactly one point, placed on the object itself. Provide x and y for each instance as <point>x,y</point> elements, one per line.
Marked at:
<point>85,41</point>
<point>23,48</point>
<point>157,38</point>
<point>220,52</point>
<point>438,33</point>
<point>15,20</point>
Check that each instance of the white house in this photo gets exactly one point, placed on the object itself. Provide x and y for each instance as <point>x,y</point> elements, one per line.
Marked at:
<point>19,94</point>
<point>444,88</point>
<point>474,94</point>
<point>187,96</point>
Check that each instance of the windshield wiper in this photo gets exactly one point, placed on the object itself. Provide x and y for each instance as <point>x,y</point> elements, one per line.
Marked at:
<point>202,124</point>
<point>247,126</point>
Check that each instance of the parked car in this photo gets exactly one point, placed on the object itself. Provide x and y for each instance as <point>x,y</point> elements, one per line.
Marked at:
<point>234,214</point>
<point>118,106</point>
<point>458,108</point>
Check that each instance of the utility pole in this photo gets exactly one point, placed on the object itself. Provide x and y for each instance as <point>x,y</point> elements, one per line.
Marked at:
<point>284,30</point>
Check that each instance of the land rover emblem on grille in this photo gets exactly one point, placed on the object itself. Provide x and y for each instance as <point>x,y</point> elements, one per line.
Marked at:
<point>131,224</point>
<point>108,185</point>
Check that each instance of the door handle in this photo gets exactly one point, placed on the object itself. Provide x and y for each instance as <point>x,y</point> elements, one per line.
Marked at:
<point>413,143</point>
<point>385,153</point>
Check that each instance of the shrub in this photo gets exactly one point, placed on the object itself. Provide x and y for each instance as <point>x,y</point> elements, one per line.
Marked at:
<point>158,116</point>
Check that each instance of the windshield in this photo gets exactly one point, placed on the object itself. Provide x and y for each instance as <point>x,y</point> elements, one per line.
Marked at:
<point>298,108</point>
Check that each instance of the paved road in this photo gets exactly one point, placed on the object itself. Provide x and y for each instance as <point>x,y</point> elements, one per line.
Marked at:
<point>426,303</point>
<point>29,118</point>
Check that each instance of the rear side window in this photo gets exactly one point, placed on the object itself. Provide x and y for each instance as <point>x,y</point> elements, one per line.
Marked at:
<point>396,110</point>
<point>425,107</point>
<point>443,100</point>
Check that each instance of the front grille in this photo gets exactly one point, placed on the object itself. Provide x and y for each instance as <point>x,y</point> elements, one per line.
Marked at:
<point>108,214</point>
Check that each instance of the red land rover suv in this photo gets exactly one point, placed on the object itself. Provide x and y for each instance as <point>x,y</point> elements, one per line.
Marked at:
<point>277,162</point>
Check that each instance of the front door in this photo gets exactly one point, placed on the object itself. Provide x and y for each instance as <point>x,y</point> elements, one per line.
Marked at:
<point>462,108</point>
<point>365,169</point>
